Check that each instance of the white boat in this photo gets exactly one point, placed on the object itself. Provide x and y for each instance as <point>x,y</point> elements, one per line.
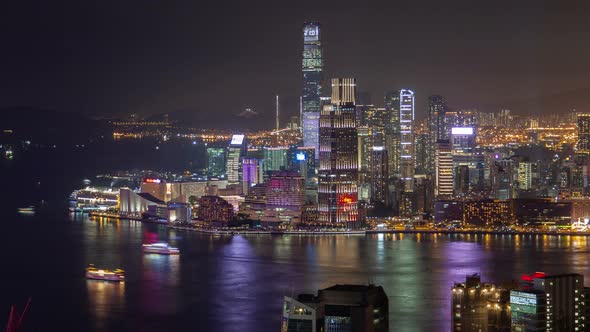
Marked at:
<point>160,248</point>
<point>107,275</point>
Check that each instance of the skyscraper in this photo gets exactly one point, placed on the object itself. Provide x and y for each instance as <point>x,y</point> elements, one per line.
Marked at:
<point>444,169</point>
<point>392,134</point>
<point>408,157</point>
<point>338,173</point>
<point>555,303</point>
<point>216,162</point>
<point>312,67</point>
<point>235,151</point>
<point>583,133</point>
<point>436,128</point>
<point>379,175</point>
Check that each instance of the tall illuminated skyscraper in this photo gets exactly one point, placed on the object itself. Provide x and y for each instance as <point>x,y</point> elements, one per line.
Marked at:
<point>312,67</point>
<point>408,157</point>
<point>235,152</point>
<point>437,108</point>
<point>338,172</point>
<point>392,133</point>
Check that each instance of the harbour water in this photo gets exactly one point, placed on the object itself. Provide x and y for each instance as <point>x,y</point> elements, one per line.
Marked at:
<point>236,283</point>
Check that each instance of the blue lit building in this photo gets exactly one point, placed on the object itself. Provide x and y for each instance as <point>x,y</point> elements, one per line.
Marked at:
<point>312,67</point>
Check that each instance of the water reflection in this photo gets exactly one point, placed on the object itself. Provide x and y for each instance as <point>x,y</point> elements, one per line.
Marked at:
<point>105,298</point>
<point>236,283</point>
<point>159,283</point>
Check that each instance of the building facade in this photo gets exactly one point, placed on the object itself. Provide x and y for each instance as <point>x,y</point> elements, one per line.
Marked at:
<point>408,156</point>
<point>338,172</point>
<point>312,67</point>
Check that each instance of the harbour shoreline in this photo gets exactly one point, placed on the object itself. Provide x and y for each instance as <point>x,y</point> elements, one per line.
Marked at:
<point>356,232</point>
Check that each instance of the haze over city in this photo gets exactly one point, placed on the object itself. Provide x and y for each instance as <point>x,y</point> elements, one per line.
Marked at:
<point>111,58</point>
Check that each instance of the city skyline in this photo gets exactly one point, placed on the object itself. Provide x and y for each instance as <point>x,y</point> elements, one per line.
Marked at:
<point>181,76</point>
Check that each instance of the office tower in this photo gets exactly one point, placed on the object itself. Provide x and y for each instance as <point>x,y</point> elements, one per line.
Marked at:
<point>379,175</point>
<point>355,308</point>
<point>423,149</point>
<point>338,308</point>
<point>528,310</point>
<point>302,160</point>
<point>583,133</point>
<point>461,180</point>
<point>408,157</point>
<point>463,139</point>
<point>467,159</point>
<point>443,170</point>
<point>338,173</point>
<point>436,128</point>
<point>216,162</point>
<point>235,151</point>
<point>364,160</point>
<point>392,131</point>
<point>503,174</point>
<point>275,159</point>
<point>251,173</point>
<point>478,306</point>
<point>312,67</point>
<point>301,314</point>
<point>553,303</point>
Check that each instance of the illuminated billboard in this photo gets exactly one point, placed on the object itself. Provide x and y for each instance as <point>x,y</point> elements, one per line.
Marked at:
<point>311,33</point>
<point>237,139</point>
<point>462,130</point>
<point>150,180</point>
<point>300,156</point>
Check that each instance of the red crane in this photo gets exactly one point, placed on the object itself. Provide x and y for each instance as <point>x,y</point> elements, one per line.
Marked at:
<point>15,320</point>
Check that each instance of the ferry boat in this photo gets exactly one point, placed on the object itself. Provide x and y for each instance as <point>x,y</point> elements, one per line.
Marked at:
<point>107,275</point>
<point>160,248</point>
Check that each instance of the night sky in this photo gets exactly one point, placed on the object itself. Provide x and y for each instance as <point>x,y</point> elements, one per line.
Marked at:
<point>213,59</point>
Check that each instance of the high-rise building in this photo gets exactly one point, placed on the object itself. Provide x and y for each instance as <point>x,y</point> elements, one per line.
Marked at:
<point>275,159</point>
<point>392,131</point>
<point>379,175</point>
<point>554,303</point>
<point>312,67</point>
<point>461,180</point>
<point>338,172</point>
<point>216,162</point>
<point>355,308</point>
<point>436,128</point>
<point>301,314</point>
<point>408,156</point>
<point>302,160</point>
<point>443,186</point>
<point>478,306</point>
<point>423,151</point>
<point>365,145</point>
<point>338,308</point>
<point>285,189</point>
<point>251,173</point>
<point>525,175</point>
<point>583,133</point>
<point>235,151</point>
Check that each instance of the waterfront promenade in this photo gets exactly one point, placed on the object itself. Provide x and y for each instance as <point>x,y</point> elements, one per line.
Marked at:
<point>234,231</point>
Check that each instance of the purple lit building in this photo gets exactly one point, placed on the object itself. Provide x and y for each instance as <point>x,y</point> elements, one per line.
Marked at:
<point>251,173</point>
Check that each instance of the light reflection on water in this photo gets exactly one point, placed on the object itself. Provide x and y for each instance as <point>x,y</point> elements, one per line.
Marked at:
<point>236,283</point>
<point>105,298</point>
